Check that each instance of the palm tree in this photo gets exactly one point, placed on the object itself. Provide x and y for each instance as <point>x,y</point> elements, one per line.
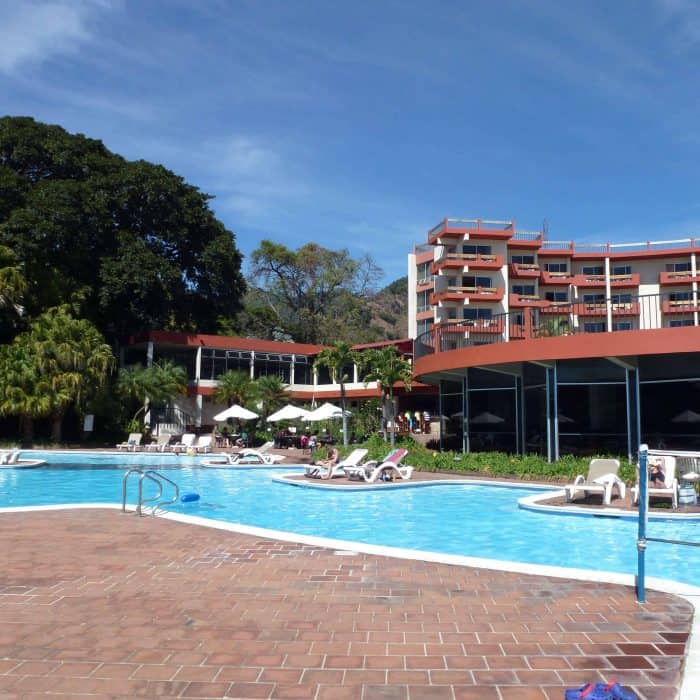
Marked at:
<point>337,359</point>
<point>158,384</point>
<point>13,287</point>
<point>234,386</point>
<point>387,367</point>
<point>271,393</point>
<point>23,390</point>
<point>72,355</point>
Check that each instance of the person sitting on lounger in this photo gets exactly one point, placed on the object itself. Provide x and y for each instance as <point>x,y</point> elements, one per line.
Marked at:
<point>332,458</point>
<point>656,473</point>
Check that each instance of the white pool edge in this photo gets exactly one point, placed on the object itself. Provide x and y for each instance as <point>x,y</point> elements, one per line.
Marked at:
<point>691,674</point>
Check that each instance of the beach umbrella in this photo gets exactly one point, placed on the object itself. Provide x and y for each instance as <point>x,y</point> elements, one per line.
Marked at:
<point>686,416</point>
<point>487,418</point>
<point>235,411</point>
<point>288,412</point>
<point>327,411</point>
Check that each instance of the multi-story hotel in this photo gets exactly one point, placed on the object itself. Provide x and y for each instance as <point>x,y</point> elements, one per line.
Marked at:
<point>556,347</point>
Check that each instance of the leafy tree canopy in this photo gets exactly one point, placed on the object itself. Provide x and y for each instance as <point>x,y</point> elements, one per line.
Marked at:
<point>135,245</point>
<point>313,294</point>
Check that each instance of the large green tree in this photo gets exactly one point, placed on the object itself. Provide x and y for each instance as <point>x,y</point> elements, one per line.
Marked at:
<point>133,243</point>
<point>59,363</point>
<point>339,360</point>
<point>387,367</point>
<point>313,294</point>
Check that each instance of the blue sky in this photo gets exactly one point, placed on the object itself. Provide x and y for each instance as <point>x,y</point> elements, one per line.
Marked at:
<point>362,124</point>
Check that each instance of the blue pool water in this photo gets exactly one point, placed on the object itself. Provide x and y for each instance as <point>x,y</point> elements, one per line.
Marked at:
<point>470,520</point>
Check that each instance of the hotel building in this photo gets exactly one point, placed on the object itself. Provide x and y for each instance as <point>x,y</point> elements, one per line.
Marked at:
<point>556,347</point>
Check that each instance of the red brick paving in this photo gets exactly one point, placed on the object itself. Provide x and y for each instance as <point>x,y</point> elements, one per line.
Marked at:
<point>93,602</point>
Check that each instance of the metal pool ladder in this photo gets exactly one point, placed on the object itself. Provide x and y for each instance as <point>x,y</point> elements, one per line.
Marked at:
<point>158,479</point>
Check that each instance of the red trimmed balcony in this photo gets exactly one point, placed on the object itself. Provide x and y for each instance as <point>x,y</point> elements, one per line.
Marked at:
<point>666,278</point>
<point>679,306</point>
<point>522,270</point>
<point>473,228</point>
<point>522,300</point>
<point>561,308</point>
<point>471,293</point>
<point>472,261</point>
<point>563,278</point>
<point>627,308</point>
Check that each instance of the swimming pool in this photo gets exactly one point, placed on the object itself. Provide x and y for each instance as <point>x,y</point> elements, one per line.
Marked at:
<point>472,520</point>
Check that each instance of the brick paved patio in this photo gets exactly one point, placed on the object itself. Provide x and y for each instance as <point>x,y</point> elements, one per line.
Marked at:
<point>93,602</point>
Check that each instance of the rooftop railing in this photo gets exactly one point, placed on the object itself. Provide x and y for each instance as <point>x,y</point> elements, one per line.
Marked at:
<point>617,313</point>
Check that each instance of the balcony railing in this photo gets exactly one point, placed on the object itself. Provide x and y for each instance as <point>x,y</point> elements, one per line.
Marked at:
<point>560,318</point>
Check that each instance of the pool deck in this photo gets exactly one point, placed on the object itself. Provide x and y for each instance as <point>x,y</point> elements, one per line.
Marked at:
<point>96,602</point>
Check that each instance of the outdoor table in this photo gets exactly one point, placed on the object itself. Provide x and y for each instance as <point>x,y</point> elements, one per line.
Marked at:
<point>687,496</point>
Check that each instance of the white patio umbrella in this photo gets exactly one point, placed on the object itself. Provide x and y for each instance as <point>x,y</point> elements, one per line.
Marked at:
<point>288,412</point>
<point>327,411</point>
<point>488,418</point>
<point>235,411</point>
<point>686,416</point>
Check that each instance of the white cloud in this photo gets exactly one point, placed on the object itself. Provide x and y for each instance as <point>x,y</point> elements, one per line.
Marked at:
<point>34,32</point>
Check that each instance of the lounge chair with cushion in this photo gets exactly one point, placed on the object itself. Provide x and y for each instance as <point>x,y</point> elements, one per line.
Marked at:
<point>669,488</point>
<point>132,442</point>
<point>185,444</point>
<point>202,444</point>
<point>320,471</point>
<point>602,478</point>
<point>365,471</point>
<point>160,444</point>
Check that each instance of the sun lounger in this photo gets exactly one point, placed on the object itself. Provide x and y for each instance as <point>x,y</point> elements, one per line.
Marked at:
<point>669,488</point>
<point>373,468</point>
<point>602,478</point>
<point>132,442</point>
<point>185,444</point>
<point>202,444</point>
<point>160,444</point>
<point>246,457</point>
<point>320,471</point>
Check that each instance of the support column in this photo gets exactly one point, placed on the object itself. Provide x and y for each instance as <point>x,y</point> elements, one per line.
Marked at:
<point>440,413</point>
<point>519,416</point>
<point>252,364</point>
<point>694,273</point>
<point>633,412</point>
<point>608,296</point>
<point>466,442</point>
<point>552,412</point>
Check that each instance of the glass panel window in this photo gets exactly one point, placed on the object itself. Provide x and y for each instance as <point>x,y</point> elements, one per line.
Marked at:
<point>523,259</point>
<point>622,270</point>
<point>556,296</point>
<point>621,298</point>
<point>556,267</point>
<point>528,289</point>
<point>470,249</point>
<point>594,327</point>
<point>677,323</point>
<point>678,267</point>
<point>594,298</point>
<point>593,270</point>
<point>452,313</point>
<point>471,314</point>
<point>476,281</point>
<point>680,296</point>
<point>622,326</point>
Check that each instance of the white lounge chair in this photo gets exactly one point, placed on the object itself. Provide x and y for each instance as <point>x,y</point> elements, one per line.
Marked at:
<point>389,471</point>
<point>202,444</point>
<point>11,460</point>
<point>160,444</point>
<point>185,444</point>
<point>132,442</point>
<point>373,468</point>
<point>602,478</point>
<point>320,471</point>
<point>670,486</point>
<point>247,457</point>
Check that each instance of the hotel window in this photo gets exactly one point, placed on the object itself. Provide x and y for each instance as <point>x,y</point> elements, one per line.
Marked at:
<point>680,296</point>
<point>622,270</point>
<point>594,298</point>
<point>556,267</point>
<point>476,281</point>
<point>528,289</point>
<point>622,326</point>
<point>594,327</point>
<point>424,326</point>
<point>556,296</point>
<point>476,249</point>
<point>475,313</point>
<point>452,313</point>
<point>678,267</point>
<point>621,298</point>
<point>593,270</point>
<point>523,259</point>
<point>680,322</point>
<point>451,281</point>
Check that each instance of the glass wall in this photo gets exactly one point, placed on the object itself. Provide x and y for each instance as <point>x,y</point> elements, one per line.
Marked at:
<point>268,363</point>
<point>184,357</point>
<point>217,362</point>
<point>451,415</point>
